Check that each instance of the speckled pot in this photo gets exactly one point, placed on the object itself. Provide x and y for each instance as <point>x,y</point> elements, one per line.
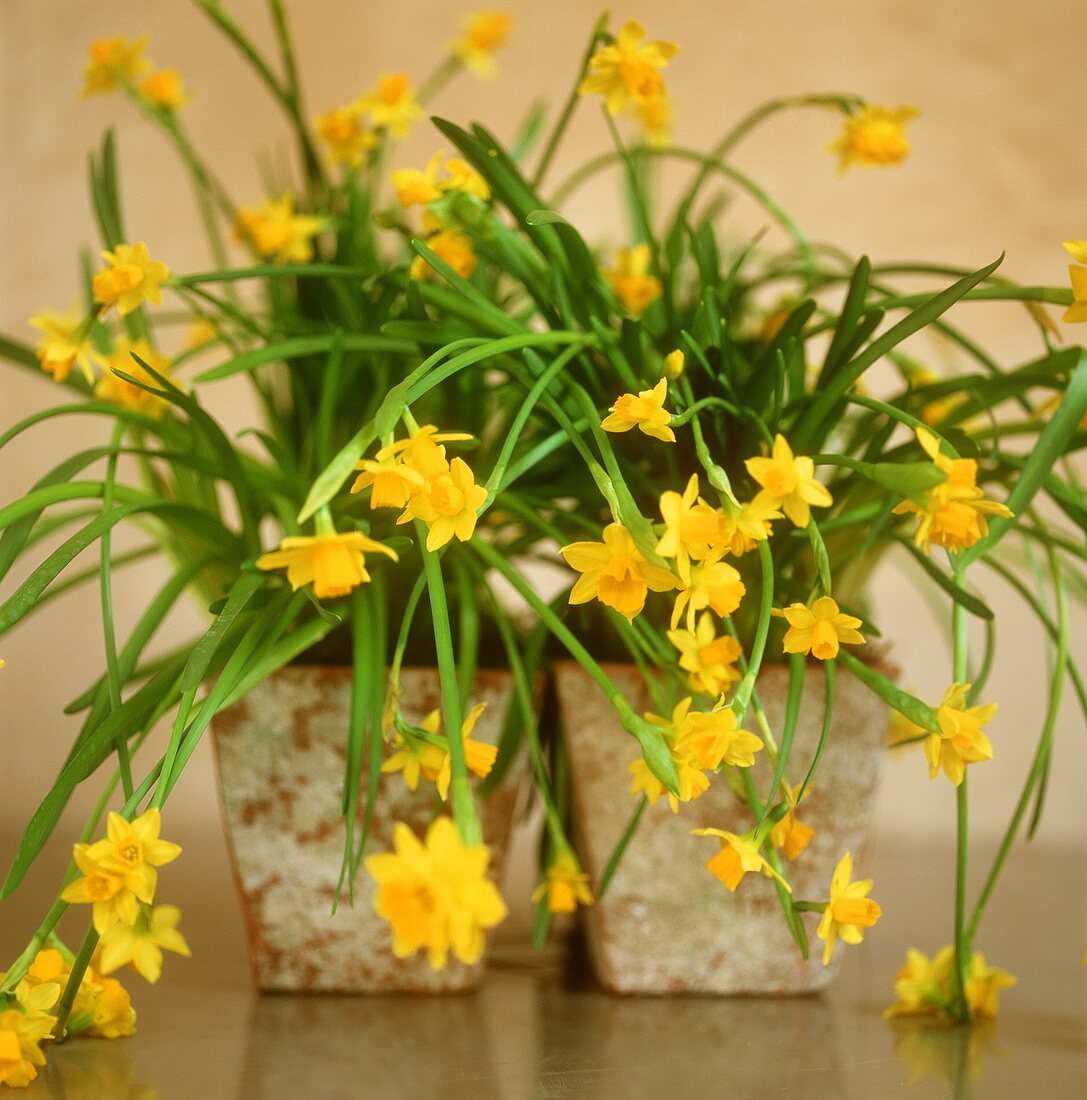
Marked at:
<point>281,753</point>
<point>666,925</point>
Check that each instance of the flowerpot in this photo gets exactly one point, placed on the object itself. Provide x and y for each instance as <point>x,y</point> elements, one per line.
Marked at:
<point>666,925</point>
<point>281,754</point>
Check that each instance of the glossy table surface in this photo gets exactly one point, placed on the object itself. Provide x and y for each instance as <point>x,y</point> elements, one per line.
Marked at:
<point>540,1027</point>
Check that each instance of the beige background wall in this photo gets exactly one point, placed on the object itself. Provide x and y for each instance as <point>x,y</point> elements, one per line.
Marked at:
<point>999,164</point>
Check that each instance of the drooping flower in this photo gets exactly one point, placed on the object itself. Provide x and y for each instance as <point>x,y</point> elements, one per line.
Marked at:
<point>708,658</point>
<point>749,524</point>
<point>112,60</point>
<point>693,528</point>
<point>714,584</point>
<point>23,1027</point>
<point>615,572</point>
<point>448,504</point>
<point>346,136</point>
<point>636,289</point>
<point>275,232</point>
<point>65,343</point>
<point>790,481</point>
<point>646,412</point>
<point>479,757</point>
<point>103,1008</point>
<point>739,855</point>
<point>484,33</point>
<point>454,248</point>
<point>790,833</point>
<point>334,564</point>
<point>163,89</point>
<point>849,911</point>
<point>435,894</point>
<point>392,105</point>
<point>923,985</point>
<point>960,740</point>
<point>954,514</point>
<point>629,69</point>
<point>141,944</point>
<point>565,887</point>
<point>875,137</point>
<point>983,986</point>
<point>130,279</point>
<point>416,757</point>
<point>819,629</point>
<point>112,387</point>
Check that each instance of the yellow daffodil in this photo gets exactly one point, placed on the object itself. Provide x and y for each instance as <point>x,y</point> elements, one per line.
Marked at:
<point>656,118</point>
<point>749,524</point>
<point>346,136</point>
<point>983,986</point>
<point>65,343</point>
<point>448,504</point>
<point>629,69</point>
<point>1077,311</point>
<point>104,889</point>
<point>693,528</point>
<point>739,855</point>
<point>112,387</point>
<point>479,757</point>
<point>790,833</point>
<point>790,481</point>
<point>709,660</point>
<point>391,481</point>
<point>163,89</point>
<point>636,289</point>
<point>615,572</point>
<point>111,61</point>
<point>849,911</point>
<point>955,513</point>
<point>275,232</point>
<point>874,137</point>
<point>923,985</point>
<point>646,412</point>
<point>714,584</point>
<point>484,32</point>
<point>130,279</point>
<point>392,105</point>
<point>960,740</point>
<point>565,887</point>
<point>23,1027</point>
<point>417,756</point>
<point>435,894</point>
<point>674,362</point>
<point>334,564</point>
<point>461,176</point>
<point>143,942</point>
<point>819,629</point>
<point>455,249</point>
<point>102,1007</point>
<point>418,188</point>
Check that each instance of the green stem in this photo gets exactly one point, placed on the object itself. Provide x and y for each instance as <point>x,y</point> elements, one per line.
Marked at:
<point>75,980</point>
<point>960,662</point>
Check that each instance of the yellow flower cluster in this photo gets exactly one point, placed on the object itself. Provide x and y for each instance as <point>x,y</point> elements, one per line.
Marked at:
<point>414,474</point>
<point>924,986</point>
<point>116,62</point>
<point>415,187</point>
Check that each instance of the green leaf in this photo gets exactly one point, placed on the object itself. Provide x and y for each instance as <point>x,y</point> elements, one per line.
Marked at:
<point>298,346</point>
<point>916,711</point>
<point>974,604</point>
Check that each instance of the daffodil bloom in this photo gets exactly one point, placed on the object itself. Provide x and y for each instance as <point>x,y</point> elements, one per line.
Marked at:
<point>334,564</point>
<point>693,528</point>
<point>449,505</point>
<point>714,584</point>
<point>435,894</point>
<point>102,1007</point>
<point>461,176</point>
<point>565,887</point>
<point>875,137</point>
<point>960,740</point>
<point>275,232</point>
<point>103,887</point>
<point>790,481</point>
<point>23,1027</point>
<point>849,911</point>
<point>691,780</point>
<point>923,985</point>
<point>615,572</point>
<point>955,513</point>
<point>130,279</point>
<point>416,757</point>
<point>983,986</point>
<point>65,343</point>
<point>750,524</point>
<point>163,89</point>
<point>142,943</point>
<point>112,387</point>
<point>636,289</point>
<point>1077,311</point>
<point>479,757</point>
<point>739,856</point>
<point>455,249</point>
<point>709,659</point>
<point>646,412</point>
<point>418,188</point>
<point>674,362</point>
<point>392,105</point>
<point>629,69</point>
<point>790,833</point>
<point>346,136</point>
<point>656,118</point>
<point>819,629</point>
<point>484,33</point>
<point>111,61</point>
<point>391,481</point>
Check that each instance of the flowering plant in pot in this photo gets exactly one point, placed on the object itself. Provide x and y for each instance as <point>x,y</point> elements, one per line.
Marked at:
<point>751,460</point>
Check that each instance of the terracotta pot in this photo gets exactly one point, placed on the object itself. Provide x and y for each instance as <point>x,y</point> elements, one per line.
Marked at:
<point>666,925</point>
<point>281,753</point>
